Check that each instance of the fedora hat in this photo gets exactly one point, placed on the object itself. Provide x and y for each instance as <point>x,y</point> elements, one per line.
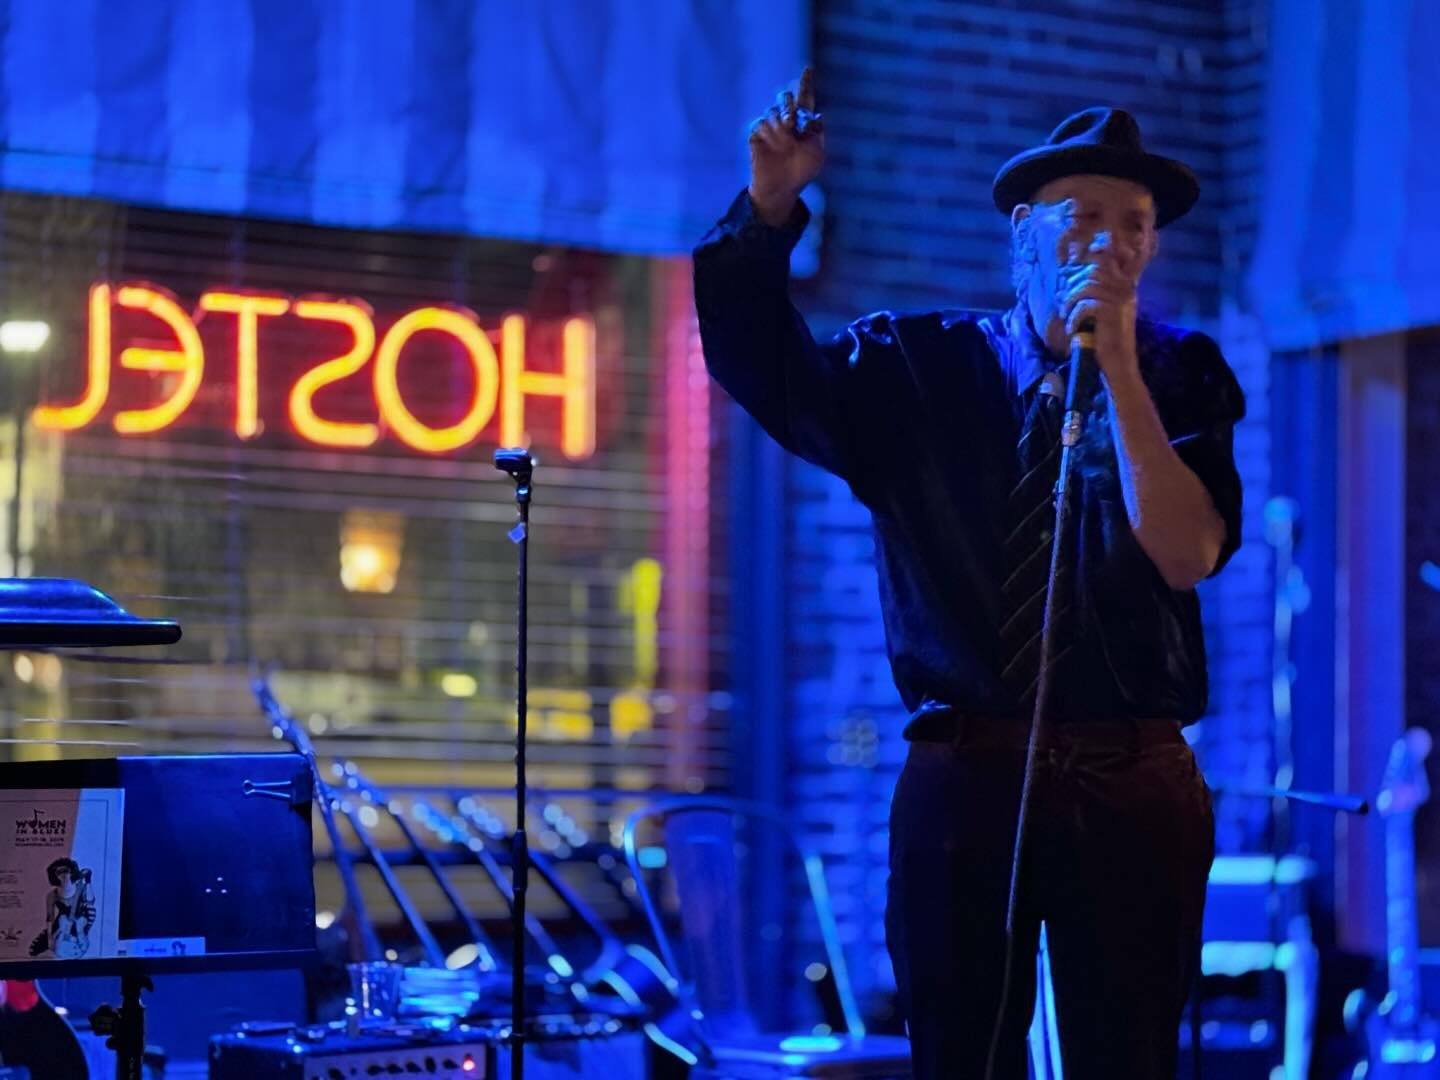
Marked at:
<point>1103,142</point>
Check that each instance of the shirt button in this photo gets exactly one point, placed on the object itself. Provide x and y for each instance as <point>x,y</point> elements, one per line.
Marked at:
<point>1045,535</point>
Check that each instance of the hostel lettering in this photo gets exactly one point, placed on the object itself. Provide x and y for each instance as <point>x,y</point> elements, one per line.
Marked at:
<point>501,380</point>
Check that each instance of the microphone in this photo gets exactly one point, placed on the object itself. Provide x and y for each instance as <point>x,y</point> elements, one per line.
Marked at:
<point>517,462</point>
<point>1080,391</point>
<point>808,123</point>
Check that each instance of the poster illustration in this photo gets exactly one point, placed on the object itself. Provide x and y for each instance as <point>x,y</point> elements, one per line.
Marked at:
<point>60,873</point>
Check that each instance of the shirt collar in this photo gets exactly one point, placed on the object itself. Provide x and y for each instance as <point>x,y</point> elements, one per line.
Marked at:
<point>1024,355</point>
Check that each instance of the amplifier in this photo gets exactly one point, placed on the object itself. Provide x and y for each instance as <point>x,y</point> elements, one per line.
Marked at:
<point>1232,1055</point>
<point>560,1049</point>
<point>326,1052</point>
<point>1255,897</point>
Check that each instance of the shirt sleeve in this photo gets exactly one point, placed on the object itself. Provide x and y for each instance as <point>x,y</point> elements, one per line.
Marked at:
<point>1215,404</point>
<point>807,395</point>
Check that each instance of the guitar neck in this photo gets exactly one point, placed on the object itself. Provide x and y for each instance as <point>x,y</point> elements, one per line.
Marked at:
<point>1402,939</point>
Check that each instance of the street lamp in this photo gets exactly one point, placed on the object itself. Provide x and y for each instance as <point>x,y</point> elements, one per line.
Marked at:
<point>23,336</point>
<point>20,340</point>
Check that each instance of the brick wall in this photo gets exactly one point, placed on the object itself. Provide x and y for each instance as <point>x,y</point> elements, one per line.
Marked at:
<point>1239,604</point>
<point>923,100</point>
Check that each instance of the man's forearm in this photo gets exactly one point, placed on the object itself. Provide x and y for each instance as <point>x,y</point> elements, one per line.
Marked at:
<point>773,207</point>
<point>756,344</point>
<point>1170,511</point>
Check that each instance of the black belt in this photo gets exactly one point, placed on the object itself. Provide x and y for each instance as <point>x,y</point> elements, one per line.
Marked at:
<point>957,729</point>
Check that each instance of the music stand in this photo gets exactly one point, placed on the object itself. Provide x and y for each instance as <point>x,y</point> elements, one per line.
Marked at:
<point>216,852</point>
<point>41,613</point>
<point>216,872</point>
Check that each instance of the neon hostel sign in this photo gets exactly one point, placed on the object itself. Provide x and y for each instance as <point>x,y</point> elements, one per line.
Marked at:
<point>500,381</point>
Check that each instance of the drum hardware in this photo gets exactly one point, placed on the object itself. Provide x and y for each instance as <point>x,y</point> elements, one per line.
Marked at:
<point>624,980</point>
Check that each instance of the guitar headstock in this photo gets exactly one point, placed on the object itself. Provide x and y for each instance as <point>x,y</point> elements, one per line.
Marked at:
<point>1404,787</point>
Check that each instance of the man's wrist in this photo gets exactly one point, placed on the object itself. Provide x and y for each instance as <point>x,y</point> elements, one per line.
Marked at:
<point>1123,379</point>
<point>1119,356</point>
<point>773,208</point>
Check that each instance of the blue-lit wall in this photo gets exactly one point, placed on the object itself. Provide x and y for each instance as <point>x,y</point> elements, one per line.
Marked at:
<point>1422,604</point>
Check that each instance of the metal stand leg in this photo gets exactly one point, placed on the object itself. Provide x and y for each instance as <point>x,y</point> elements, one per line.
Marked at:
<point>519,465</point>
<point>1044,1033</point>
<point>125,1027</point>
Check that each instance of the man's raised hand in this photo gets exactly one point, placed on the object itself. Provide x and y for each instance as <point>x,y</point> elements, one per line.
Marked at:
<point>787,151</point>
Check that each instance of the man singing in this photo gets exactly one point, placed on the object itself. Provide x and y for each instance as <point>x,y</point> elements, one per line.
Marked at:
<point>945,426</point>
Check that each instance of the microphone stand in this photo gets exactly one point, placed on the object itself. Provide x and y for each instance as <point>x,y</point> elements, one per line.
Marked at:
<point>519,465</point>
<point>1338,801</point>
<point>1079,393</point>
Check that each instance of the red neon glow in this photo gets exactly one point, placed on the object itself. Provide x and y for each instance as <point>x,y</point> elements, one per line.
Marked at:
<point>393,410</point>
<point>97,386</point>
<point>248,309</point>
<point>574,385</point>
<point>303,417</point>
<point>19,995</point>
<point>188,360</point>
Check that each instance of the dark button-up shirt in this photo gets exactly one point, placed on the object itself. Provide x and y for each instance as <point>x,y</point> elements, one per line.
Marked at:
<point>919,414</point>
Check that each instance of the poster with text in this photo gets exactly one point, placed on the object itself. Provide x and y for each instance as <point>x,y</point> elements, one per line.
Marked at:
<point>60,873</point>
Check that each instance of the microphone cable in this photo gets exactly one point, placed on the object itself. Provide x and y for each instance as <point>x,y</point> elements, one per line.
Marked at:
<point>1079,393</point>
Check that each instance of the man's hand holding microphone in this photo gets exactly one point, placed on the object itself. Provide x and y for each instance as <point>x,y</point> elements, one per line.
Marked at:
<point>787,151</point>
